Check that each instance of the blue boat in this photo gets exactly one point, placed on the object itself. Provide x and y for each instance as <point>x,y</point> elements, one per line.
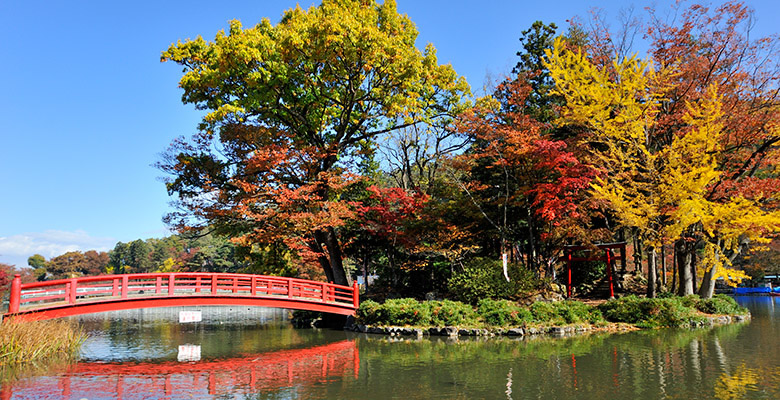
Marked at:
<point>753,290</point>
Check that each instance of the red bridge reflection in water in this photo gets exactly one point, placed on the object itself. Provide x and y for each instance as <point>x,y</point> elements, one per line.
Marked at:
<point>273,371</point>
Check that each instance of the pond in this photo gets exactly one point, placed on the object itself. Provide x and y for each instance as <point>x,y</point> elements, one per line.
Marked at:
<point>256,354</point>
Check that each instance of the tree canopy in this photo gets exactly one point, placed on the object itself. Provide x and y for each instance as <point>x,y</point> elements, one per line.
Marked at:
<point>332,145</point>
<point>293,109</point>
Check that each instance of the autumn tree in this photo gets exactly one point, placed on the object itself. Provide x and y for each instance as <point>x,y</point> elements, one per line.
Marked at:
<point>416,155</point>
<point>664,189</point>
<point>293,108</point>
<point>73,264</point>
<point>525,180</point>
<point>383,230</point>
<point>527,185</point>
<point>5,277</point>
<point>714,46</point>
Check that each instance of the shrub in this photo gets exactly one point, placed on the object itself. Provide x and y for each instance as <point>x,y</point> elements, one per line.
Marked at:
<point>503,312</point>
<point>720,304</point>
<point>369,312</point>
<point>449,313</point>
<point>665,312</point>
<point>483,278</point>
<point>544,312</point>
<point>624,309</point>
<point>574,312</point>
<point>565,312</point>
<point>405,312</point>
<point>412,312</point>
<point>690,300</point>
<point>649,312</point>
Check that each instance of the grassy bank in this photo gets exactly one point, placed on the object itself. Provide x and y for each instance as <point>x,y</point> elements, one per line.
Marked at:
<point>493,314</point>
<point>37,341</point>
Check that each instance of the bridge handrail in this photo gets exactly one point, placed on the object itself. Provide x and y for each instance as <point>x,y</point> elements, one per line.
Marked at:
<point>120,286</point>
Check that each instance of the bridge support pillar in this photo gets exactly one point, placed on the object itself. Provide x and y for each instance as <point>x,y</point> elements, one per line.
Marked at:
<point>16,294</point>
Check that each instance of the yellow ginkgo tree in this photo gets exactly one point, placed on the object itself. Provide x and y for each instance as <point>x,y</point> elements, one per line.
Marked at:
<point>658,191</point>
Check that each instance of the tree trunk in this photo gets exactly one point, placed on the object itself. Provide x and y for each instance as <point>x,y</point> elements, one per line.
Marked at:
<point>684,253</point>
<point>707,287</point>
<point>708,280</point>
<point>693,267</point>
<point>663,266</point>
<point>622,238</point>
<point>330,255</point>
<point>316,246</point>
<point>531,242</point>
<point>651,273</point>
<point>637,256</point>
<point>674,270</point>
<point>365,267</point>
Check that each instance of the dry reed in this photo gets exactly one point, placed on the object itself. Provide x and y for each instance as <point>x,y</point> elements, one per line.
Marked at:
<point>23,342</point>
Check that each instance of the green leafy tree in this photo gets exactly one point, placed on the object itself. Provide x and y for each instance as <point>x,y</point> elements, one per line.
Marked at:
<point>293,109</point>
<point>38,263</point>
<point>535,40</point>
<point>119,259</point>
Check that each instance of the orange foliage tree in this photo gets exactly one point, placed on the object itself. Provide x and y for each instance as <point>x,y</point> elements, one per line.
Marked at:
<point>528,185</point>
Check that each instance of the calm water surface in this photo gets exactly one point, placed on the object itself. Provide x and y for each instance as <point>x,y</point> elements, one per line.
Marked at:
<point>255,354</point>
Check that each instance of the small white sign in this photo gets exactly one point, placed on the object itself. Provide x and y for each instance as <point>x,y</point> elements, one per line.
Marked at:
<point>189,352</point>
<point>190,316</point>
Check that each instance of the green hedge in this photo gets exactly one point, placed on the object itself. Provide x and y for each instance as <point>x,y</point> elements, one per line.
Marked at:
<point>643,312</point>
<point>720,304</point>
<point>450,313</point>
<point>565,312</point>
<point>415,313</point>
<point>503,313</point>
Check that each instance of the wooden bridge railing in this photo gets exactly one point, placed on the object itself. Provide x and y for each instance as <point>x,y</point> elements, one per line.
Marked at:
<point>93,289</point>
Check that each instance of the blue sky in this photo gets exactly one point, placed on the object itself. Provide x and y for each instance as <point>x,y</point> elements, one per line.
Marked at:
<point>87,107</point>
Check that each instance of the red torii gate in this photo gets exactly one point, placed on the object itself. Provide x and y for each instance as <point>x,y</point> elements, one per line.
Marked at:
<point>609,257</point>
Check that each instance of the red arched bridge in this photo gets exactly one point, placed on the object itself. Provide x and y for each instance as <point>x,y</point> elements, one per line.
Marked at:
<point>92,294</point>
<point>241,376</point>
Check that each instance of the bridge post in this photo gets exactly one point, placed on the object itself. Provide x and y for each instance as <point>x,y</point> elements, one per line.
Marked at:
<point>73,285</point>
<point>124,286</point>
<point>355,295</point>
<point>253,290</point>
<point>16,294</point>
<point>171,285</point>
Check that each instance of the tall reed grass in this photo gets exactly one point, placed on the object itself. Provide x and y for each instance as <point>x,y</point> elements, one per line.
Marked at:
<point>23,342</point>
